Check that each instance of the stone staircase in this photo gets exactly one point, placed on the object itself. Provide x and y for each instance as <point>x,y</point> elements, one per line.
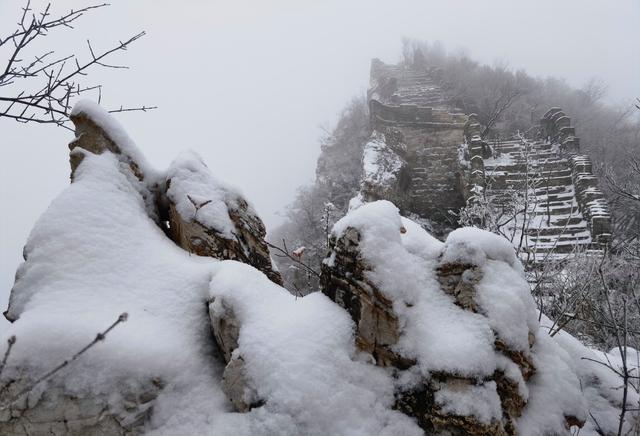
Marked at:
<point>397,85</point>
<point>538,180</point>
<point>419,89</point>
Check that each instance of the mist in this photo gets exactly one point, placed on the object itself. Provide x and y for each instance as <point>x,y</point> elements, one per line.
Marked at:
<point>248,85</point>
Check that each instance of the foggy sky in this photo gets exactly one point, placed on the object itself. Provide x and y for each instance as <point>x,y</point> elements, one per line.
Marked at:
<point>247,84</point>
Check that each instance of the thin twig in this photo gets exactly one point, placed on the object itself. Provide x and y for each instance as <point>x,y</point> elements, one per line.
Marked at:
<point>285,253</point>
<point>10,342</point>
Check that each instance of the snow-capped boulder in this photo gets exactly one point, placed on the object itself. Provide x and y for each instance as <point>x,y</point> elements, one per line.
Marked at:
<point>210,218</point>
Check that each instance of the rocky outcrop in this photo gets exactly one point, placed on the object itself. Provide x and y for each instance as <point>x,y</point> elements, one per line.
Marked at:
<point>244,241</point>
<point>57,412</point>
<point>348,279</point>
<point>343,281</point>
<point>229,229</point>
<point>92,136</point>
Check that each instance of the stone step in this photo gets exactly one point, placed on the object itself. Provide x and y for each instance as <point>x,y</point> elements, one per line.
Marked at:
<point>569,230</point>
<point>566,221</point>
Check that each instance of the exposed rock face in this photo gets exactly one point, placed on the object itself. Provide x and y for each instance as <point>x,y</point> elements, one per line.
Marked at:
<point>245,243</point>
<point>385,170</point>
<point>56,412</point>
<point>377,328</point>
<point>92,137</point>
<point>235,383</point>
<point>460,280</point>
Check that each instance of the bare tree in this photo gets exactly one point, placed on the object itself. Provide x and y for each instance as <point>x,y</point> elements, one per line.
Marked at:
<point>40,86</point>
<point>505,97</point>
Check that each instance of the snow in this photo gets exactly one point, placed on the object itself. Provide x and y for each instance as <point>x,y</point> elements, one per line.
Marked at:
<point>505,298</point>
<point>418,241</point>
<point>500,160</point>
<point>601,386</point>
<point>356,202</point>
<point>199,196</point>
<point>96,253</point>
<point>481,401</point>
<point>472,245</point>
<point>116,132</point>
<point>378,220</point>
<point>92,255</point>
<point>299,353</point>
<point>380,163</point>
<point>574,378</point>
<point>445,338</point>
<point>554,390</point>
<point>441,335</point>
<point>299,251</point>
<point>551,190</point>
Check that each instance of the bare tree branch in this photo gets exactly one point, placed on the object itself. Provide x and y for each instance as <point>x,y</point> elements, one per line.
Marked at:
<point>49,84</point>
<point>10,342</point>
<point>284,252</point>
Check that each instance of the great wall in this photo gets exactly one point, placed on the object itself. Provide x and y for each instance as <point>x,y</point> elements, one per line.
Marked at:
<point>440,163</point>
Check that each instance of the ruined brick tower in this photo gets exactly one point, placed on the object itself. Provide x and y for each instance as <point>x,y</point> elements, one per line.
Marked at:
<point>410,108</point>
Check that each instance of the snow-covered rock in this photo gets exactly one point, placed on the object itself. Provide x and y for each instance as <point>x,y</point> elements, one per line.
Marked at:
<point>383,168</point>
<point>101,249</point>
<point>209,218</point>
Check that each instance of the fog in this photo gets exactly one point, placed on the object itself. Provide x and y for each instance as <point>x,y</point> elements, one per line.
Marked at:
<point>249,84</point>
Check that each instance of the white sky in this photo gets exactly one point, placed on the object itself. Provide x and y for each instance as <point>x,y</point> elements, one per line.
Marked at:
<point>247,84</point>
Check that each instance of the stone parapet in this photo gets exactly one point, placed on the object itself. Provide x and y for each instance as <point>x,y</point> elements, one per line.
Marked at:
<point>591,199</point>
<point>414,115</point>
